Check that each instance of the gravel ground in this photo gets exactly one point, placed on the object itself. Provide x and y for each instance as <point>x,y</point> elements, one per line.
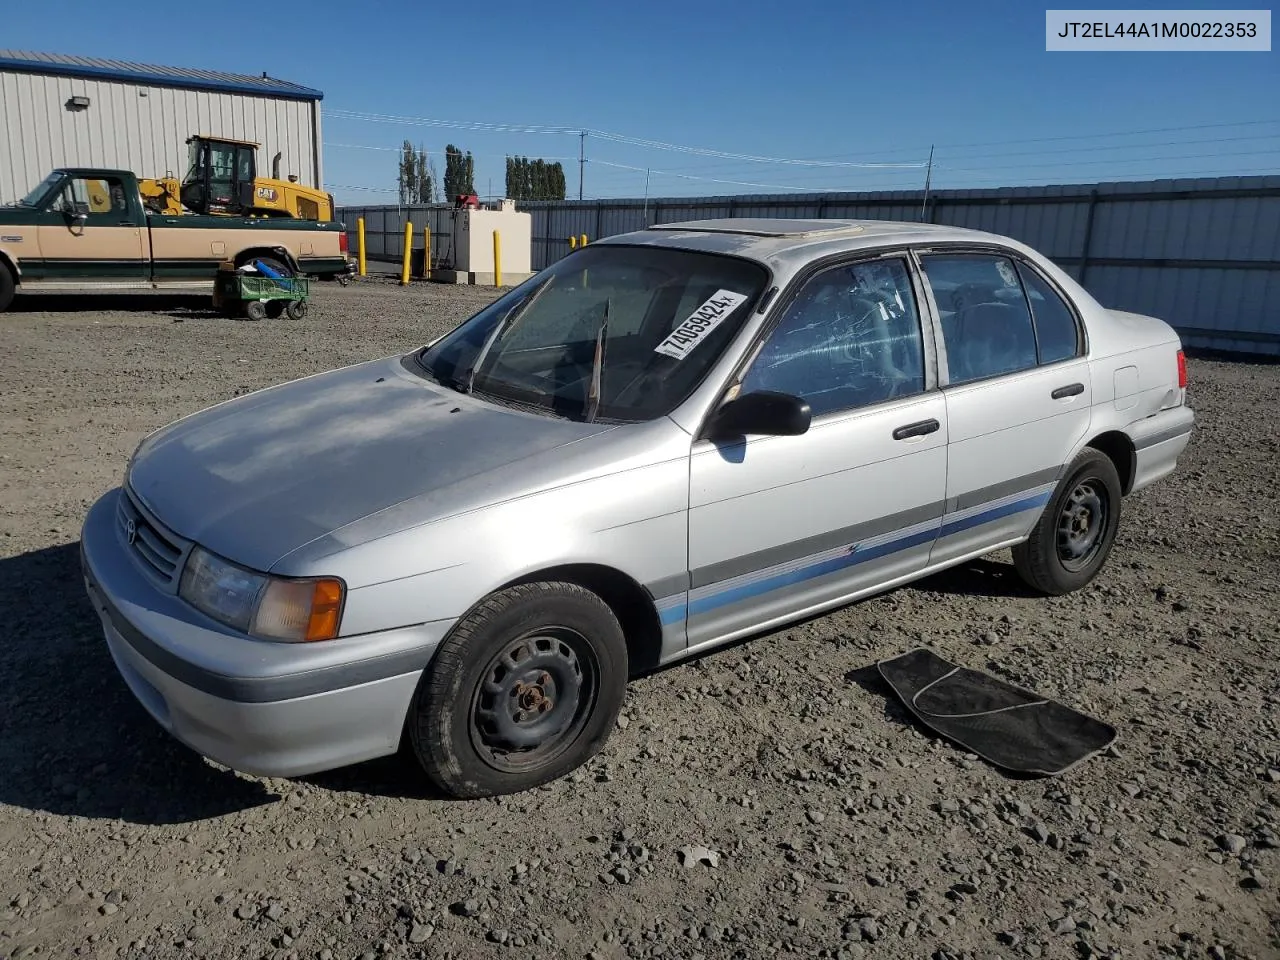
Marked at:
<point>767,799</point>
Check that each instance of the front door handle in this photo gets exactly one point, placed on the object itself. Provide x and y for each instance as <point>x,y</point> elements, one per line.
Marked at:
<point>918,429</point>
<point>1070,390</point>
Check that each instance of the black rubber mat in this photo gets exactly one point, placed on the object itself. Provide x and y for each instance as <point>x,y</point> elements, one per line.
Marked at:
<point>1005,725</point>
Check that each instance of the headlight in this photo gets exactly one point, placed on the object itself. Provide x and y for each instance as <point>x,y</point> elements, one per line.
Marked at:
<point>274,608</point>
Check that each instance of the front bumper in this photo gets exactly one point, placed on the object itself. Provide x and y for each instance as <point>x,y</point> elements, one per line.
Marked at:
<point>273,709</point>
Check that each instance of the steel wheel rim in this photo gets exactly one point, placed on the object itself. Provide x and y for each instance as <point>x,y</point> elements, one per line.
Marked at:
<point>534,699</point>
<point>1082,524</point>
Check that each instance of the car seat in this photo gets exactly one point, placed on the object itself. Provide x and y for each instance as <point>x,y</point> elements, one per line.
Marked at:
<point>989,339</point>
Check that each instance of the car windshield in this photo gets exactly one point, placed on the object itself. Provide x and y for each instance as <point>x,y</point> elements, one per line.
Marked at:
<point>610,332</point>
<point>35,196</point>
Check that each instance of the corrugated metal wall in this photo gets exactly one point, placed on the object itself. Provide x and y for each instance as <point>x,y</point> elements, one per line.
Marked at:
<point>1203,254</point>
<point>147,134</point>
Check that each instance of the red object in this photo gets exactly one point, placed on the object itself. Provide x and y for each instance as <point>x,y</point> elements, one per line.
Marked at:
<point>1182,370</point>
<point>463,200</point>
<point>342,241</point>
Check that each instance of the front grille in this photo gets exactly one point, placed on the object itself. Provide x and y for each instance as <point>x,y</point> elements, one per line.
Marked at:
<point>159,551</point>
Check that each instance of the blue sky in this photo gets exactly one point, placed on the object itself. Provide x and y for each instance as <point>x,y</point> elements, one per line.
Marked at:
<point>833,82</point>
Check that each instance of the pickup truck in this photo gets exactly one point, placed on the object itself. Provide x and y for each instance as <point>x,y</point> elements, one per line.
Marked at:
<point>87,230</point>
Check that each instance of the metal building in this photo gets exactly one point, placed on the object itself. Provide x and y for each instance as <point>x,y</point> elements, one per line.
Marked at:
<point>58,110</point>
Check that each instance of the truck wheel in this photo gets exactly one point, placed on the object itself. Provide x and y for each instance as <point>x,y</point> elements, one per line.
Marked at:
<point>525,688</point>
<point>7,288</point>
<point>255,310</point>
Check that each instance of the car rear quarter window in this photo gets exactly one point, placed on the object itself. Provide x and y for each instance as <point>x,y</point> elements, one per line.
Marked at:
<point>1056,331</point>
<point>986,326</point>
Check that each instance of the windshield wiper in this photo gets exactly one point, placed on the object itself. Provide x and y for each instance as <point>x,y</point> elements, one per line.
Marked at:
<point>468,381</point>
<point>597,367</point>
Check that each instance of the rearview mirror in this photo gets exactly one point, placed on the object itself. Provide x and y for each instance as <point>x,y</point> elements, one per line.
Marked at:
<point>764,412</point>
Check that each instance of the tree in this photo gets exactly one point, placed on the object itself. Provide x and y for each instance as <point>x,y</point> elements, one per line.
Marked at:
<point>534,179</point>
<point>459,172</point>
<point>416,179</point>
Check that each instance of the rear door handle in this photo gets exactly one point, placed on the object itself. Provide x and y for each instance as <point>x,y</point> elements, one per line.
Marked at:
<point>918,429</point>
<point>1070,390</point>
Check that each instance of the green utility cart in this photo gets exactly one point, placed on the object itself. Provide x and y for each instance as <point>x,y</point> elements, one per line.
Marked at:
<point>259,297</point>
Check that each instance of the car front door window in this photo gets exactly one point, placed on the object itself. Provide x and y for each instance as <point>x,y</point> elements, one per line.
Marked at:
<point>850,338</point>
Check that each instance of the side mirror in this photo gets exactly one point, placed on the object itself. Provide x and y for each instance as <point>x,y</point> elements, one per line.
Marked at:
<point>79,212</point>
<point>762,412</point>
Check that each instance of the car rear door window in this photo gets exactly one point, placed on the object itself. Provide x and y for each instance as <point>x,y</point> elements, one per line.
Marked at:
<point>986,326</point>
<point>1056,331</point>
<point>849,339</point>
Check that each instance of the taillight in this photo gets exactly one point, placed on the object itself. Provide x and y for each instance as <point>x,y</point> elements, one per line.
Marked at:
<point>342,243</point>
<point>1182,370</point>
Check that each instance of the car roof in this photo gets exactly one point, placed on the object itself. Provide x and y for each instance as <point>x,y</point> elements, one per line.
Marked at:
<point>779,240</point>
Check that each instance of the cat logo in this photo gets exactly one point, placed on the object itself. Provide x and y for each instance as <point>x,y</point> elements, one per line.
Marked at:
<point>266,193</point>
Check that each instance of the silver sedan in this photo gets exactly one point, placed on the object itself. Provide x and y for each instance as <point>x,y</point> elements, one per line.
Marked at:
<point>663,442</point>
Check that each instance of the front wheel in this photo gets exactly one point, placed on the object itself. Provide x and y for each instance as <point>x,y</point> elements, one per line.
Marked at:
<point>7,288</point>
<point>525,689</point>
<point>1074,535</point>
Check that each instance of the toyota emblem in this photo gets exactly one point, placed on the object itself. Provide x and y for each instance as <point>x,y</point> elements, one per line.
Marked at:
<point>130,531</point>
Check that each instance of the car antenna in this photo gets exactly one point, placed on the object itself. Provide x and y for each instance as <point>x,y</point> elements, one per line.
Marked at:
<point>597,367</point>
<point>506,323</point>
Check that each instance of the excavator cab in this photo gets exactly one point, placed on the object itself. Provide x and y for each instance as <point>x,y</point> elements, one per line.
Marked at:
<point>220,175</point>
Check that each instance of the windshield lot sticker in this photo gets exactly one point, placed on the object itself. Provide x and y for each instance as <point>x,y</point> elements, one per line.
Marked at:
<point>700,323</point>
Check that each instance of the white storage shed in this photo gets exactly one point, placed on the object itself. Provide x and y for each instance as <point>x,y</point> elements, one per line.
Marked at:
<point>58,110</point>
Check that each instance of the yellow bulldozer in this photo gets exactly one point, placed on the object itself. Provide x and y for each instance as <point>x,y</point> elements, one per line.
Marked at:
<point>222,179</point>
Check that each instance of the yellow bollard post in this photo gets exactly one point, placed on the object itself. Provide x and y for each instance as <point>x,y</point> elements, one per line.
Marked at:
<point>360,245</point>
<point>582,242</point>
<point>408,253</point>
<point>497,259</point>
<point>426,252</point>
<point>573,243</point>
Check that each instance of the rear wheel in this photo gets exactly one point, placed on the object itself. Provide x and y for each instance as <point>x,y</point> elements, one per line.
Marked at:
<point>255,310</point>
<point>1073,537</point>
<point>525,689</point>
<point>7,288</point>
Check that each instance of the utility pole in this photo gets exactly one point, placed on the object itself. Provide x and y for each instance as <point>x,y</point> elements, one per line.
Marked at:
<point>928,175</point>
<point>646,196</point>
<point>582,159</point>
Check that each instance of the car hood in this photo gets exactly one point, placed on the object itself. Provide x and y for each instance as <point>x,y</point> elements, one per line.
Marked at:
<point>254,478</point>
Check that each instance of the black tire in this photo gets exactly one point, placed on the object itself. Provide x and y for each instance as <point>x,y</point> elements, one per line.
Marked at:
<point>7,288</point>
<point>297,309</point>
<point>555,654</point>
<point>255,310</point>
<point>1073,537</point>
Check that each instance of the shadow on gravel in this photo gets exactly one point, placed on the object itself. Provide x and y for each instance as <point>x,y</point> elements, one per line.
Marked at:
<point>977,578</point>
<point>183,304</point>
<point>75,742</point>
<point>398,777</point>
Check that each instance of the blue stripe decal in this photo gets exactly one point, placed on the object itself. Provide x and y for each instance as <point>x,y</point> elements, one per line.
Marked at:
<point>1008,509</point>
<point>854,556</point>
<point>673,614</point>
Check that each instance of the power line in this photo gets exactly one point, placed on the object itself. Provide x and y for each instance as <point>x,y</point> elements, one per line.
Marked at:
<point>1061,150</point>
<point>1112,160</point>
<point>484,126</point>
<point>738,183</point>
